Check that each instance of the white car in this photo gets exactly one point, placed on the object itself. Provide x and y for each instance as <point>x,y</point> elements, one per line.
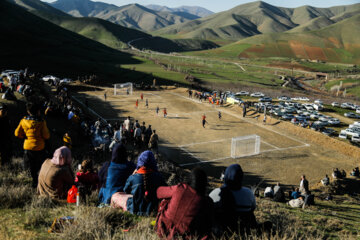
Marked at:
<point>308,107</point>
<point>305,99</point>
<point>8,73</point>
<point>335,104</point>
<point>65,81</point>
<point>295,99</point>
<point>318,107</point>
<point>351,132</point>
<point>358,110</point>
<point>242,93</point>
<point>343,134</point>
<point>355,138</point>
<point>48,78</point>
<point>257,94</point>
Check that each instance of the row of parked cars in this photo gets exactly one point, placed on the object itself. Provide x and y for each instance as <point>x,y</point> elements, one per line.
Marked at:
<point>353,131</point>
<point>49,78</point>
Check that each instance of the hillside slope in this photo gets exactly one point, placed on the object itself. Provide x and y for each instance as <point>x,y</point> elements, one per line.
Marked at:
<point>335,43</point>
<point>194,10</point>
<point>251,19</point>
<point>105,32</point>
<point>132,16</point>
<point>50,48</point>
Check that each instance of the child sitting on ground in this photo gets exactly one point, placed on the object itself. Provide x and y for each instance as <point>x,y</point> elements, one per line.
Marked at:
<point>87,178</point>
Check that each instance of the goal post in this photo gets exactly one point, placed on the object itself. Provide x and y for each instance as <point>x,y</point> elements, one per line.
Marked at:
<point>245,146</point>
<point>123,88</point>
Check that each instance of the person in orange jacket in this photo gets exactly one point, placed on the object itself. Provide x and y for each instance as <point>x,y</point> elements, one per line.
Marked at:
<point>34,130</point>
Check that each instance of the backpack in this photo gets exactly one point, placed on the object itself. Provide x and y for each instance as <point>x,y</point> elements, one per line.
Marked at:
<point>71,197</point>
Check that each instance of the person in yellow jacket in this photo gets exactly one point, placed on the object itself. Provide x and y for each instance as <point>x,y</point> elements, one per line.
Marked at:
<point>34,130</point>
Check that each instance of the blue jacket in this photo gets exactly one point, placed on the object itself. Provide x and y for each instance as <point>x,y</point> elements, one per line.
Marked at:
<point>135,186</point>
<point>116,179</point>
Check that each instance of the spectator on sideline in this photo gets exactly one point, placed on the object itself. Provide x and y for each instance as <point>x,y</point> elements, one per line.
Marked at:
<point>5,137</point>
<point>304,186</point>
<point>295,194</point>
<point>113,176</point>
<point>56,176</point>
<point>234,203</point>
<point>326,180</point>
<point>269,192</point>
<point>142,185</point>
<point>87,178</point>
<point>185,211</point>
<point>33,128</point>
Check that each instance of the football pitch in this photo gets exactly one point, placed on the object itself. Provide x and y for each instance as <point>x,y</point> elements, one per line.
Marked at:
<point>283,157</point>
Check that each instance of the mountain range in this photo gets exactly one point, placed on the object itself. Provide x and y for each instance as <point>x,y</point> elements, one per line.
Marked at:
<point>108,33</point>
<point>194,10</point>
<point>132,16</point>
<point>257,18</point>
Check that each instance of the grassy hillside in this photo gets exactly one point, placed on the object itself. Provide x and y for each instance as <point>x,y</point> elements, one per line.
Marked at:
<point>105,32</point>
<point>52,49</point>
<point>132,16</point>
<point>314,24</point>
<point>194,10</point>
<point>251,19</point>
<point>335,43</point>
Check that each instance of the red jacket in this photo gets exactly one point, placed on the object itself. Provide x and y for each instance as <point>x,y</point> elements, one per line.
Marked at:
<point>186,213</point>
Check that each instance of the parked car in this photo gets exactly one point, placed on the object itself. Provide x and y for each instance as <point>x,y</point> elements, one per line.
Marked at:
<point>355,138</point>
<point>351,132</point>
<point>257,94</point>
<point>318,107</point>
<point>65,81</point>
<point>287,116</point>
<point>334,121</point>
<point>328,131</point>
<point>358,110</point>
<point>8,72</point>
<point>284,98</point>
<point>343,134</point>
<point>308,106</point>
<point>242,93</point>
<point>265,99</point>
<point>351,115</point>
<point>335,104</point>
<point>304,99</point>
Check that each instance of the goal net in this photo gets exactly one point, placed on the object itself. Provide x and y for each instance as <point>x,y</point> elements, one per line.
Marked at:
<point>245,146</point>
<point>123,88</point>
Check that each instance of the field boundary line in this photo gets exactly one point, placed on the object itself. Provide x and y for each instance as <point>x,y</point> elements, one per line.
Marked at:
<point>91,110</point>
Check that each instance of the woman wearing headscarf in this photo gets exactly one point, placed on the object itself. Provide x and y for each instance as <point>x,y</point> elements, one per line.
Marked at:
<point>233,202</point>
<point>186,211</point>
<point>142,185</point>
<point>56,176</point>
<point>114,175</point>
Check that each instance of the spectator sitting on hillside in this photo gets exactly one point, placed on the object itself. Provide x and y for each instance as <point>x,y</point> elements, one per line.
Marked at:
<point>343,174</point>
<point>355,172</point>
<point>279,195</point>
<point>153,142</point>
<point>33,128</point>
<point>297,203</point>
<point>56,176</point>
<point>142,185</point>
<point>336,173</point>
<point>5,137</point>
<point>113,175</point>
<point>325,181</point>
<point>269,192</point>
<point>116,138</point>
<point>234,203</point>
<point>87,178</point>
<point>185,211</point>
<point>67,140</point>
<point>295,194</point>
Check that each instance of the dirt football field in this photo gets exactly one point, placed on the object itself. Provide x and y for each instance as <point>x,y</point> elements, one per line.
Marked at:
<point>286,151</point>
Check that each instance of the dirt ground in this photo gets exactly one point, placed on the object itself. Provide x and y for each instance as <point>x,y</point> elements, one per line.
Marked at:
<point>286,151</point>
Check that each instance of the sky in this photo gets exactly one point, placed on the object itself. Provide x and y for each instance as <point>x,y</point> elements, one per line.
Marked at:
<point>222,5</point>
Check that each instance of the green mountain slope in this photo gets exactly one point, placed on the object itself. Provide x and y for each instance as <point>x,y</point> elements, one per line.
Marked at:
<point>194,10</point>
<point>338,42</point>
<point>105,32</point>
<point>251,19</point>
<point>314,24</point>
<point>50,48</point>
<point>132,16</point>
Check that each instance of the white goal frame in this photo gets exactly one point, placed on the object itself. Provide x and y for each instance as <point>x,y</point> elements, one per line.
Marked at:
<point>127,85</point>
<point>245,146</point>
